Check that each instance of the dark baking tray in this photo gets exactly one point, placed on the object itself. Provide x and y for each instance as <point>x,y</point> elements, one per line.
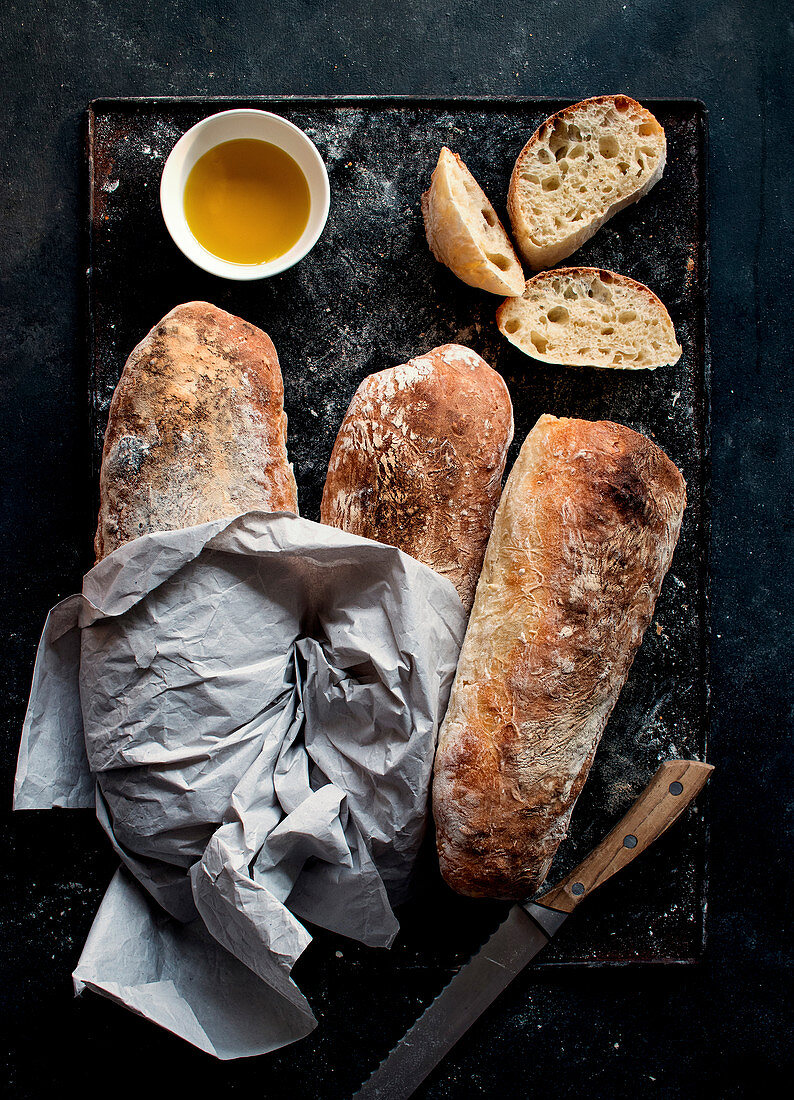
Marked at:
<point>369,296</point>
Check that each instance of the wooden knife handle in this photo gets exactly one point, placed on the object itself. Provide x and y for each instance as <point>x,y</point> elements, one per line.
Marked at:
<point>662,802</point>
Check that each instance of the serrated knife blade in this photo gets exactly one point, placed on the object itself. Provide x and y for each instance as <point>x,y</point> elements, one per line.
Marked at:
<point>487,974</point>
<point>526,931</point>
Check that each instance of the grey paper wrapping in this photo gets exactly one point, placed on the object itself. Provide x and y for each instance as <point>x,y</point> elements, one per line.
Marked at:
<point>253,704</point>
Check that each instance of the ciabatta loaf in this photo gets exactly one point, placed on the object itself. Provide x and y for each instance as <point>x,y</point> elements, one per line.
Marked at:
<point>585,316</point>
<point>582,539</point>
<point>196,431</point>
<point>580,167</point>
<point>464,231</point>
<point>419,458</point>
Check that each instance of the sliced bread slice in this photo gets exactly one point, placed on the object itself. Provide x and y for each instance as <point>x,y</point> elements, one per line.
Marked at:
<point>464,232</point>
<point>587,317</point>
<point>580,167</point>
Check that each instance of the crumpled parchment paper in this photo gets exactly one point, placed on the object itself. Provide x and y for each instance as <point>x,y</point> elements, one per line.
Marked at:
<point>252,706</point>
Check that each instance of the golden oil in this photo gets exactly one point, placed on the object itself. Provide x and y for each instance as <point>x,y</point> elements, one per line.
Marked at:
<point>246,201</point>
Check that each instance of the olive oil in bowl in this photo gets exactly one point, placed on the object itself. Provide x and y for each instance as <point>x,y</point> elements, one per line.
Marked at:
<point>246,201</point>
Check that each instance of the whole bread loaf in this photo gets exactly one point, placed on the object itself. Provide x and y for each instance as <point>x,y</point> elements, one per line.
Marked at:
<point>419,458</point>
<point>196,430</point>
<point>579,168</point>
<point>582,539</point>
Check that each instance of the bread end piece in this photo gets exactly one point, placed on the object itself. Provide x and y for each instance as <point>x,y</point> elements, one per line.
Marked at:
<point>579,168</point>
<point>587,316</point>
<point>464,231</point>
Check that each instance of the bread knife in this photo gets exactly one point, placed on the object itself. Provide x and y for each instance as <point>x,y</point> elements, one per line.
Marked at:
<point>526,931</point>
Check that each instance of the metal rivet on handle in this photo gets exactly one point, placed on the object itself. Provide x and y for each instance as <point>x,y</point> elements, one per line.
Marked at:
<point>675,787</point>
<point>577,888</point>
<point>630,841</point>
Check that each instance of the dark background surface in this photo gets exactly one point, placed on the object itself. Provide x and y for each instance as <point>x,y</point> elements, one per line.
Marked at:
<point>721,1029</point>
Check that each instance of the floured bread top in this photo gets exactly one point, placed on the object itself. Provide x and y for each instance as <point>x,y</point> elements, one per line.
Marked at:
<point>419,458</point>
<point>585,316</point>
<point>196,431</point>
<point>464,231</point>
<point>578,169</point>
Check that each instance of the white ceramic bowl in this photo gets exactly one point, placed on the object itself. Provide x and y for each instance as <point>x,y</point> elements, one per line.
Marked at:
<point>228,126</point>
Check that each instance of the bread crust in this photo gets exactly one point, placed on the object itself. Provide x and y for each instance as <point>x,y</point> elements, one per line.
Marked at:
<point>196,430</point>
<point>419,458</point>
<point>464,231</point>
<point>539,255</point>
<point>644,344</point>
<point>582,539</point>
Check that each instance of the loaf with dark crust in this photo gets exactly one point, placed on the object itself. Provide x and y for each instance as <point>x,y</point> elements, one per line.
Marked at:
<point>419,458</point>
<point>197,429</point>
<point>582,539</point>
